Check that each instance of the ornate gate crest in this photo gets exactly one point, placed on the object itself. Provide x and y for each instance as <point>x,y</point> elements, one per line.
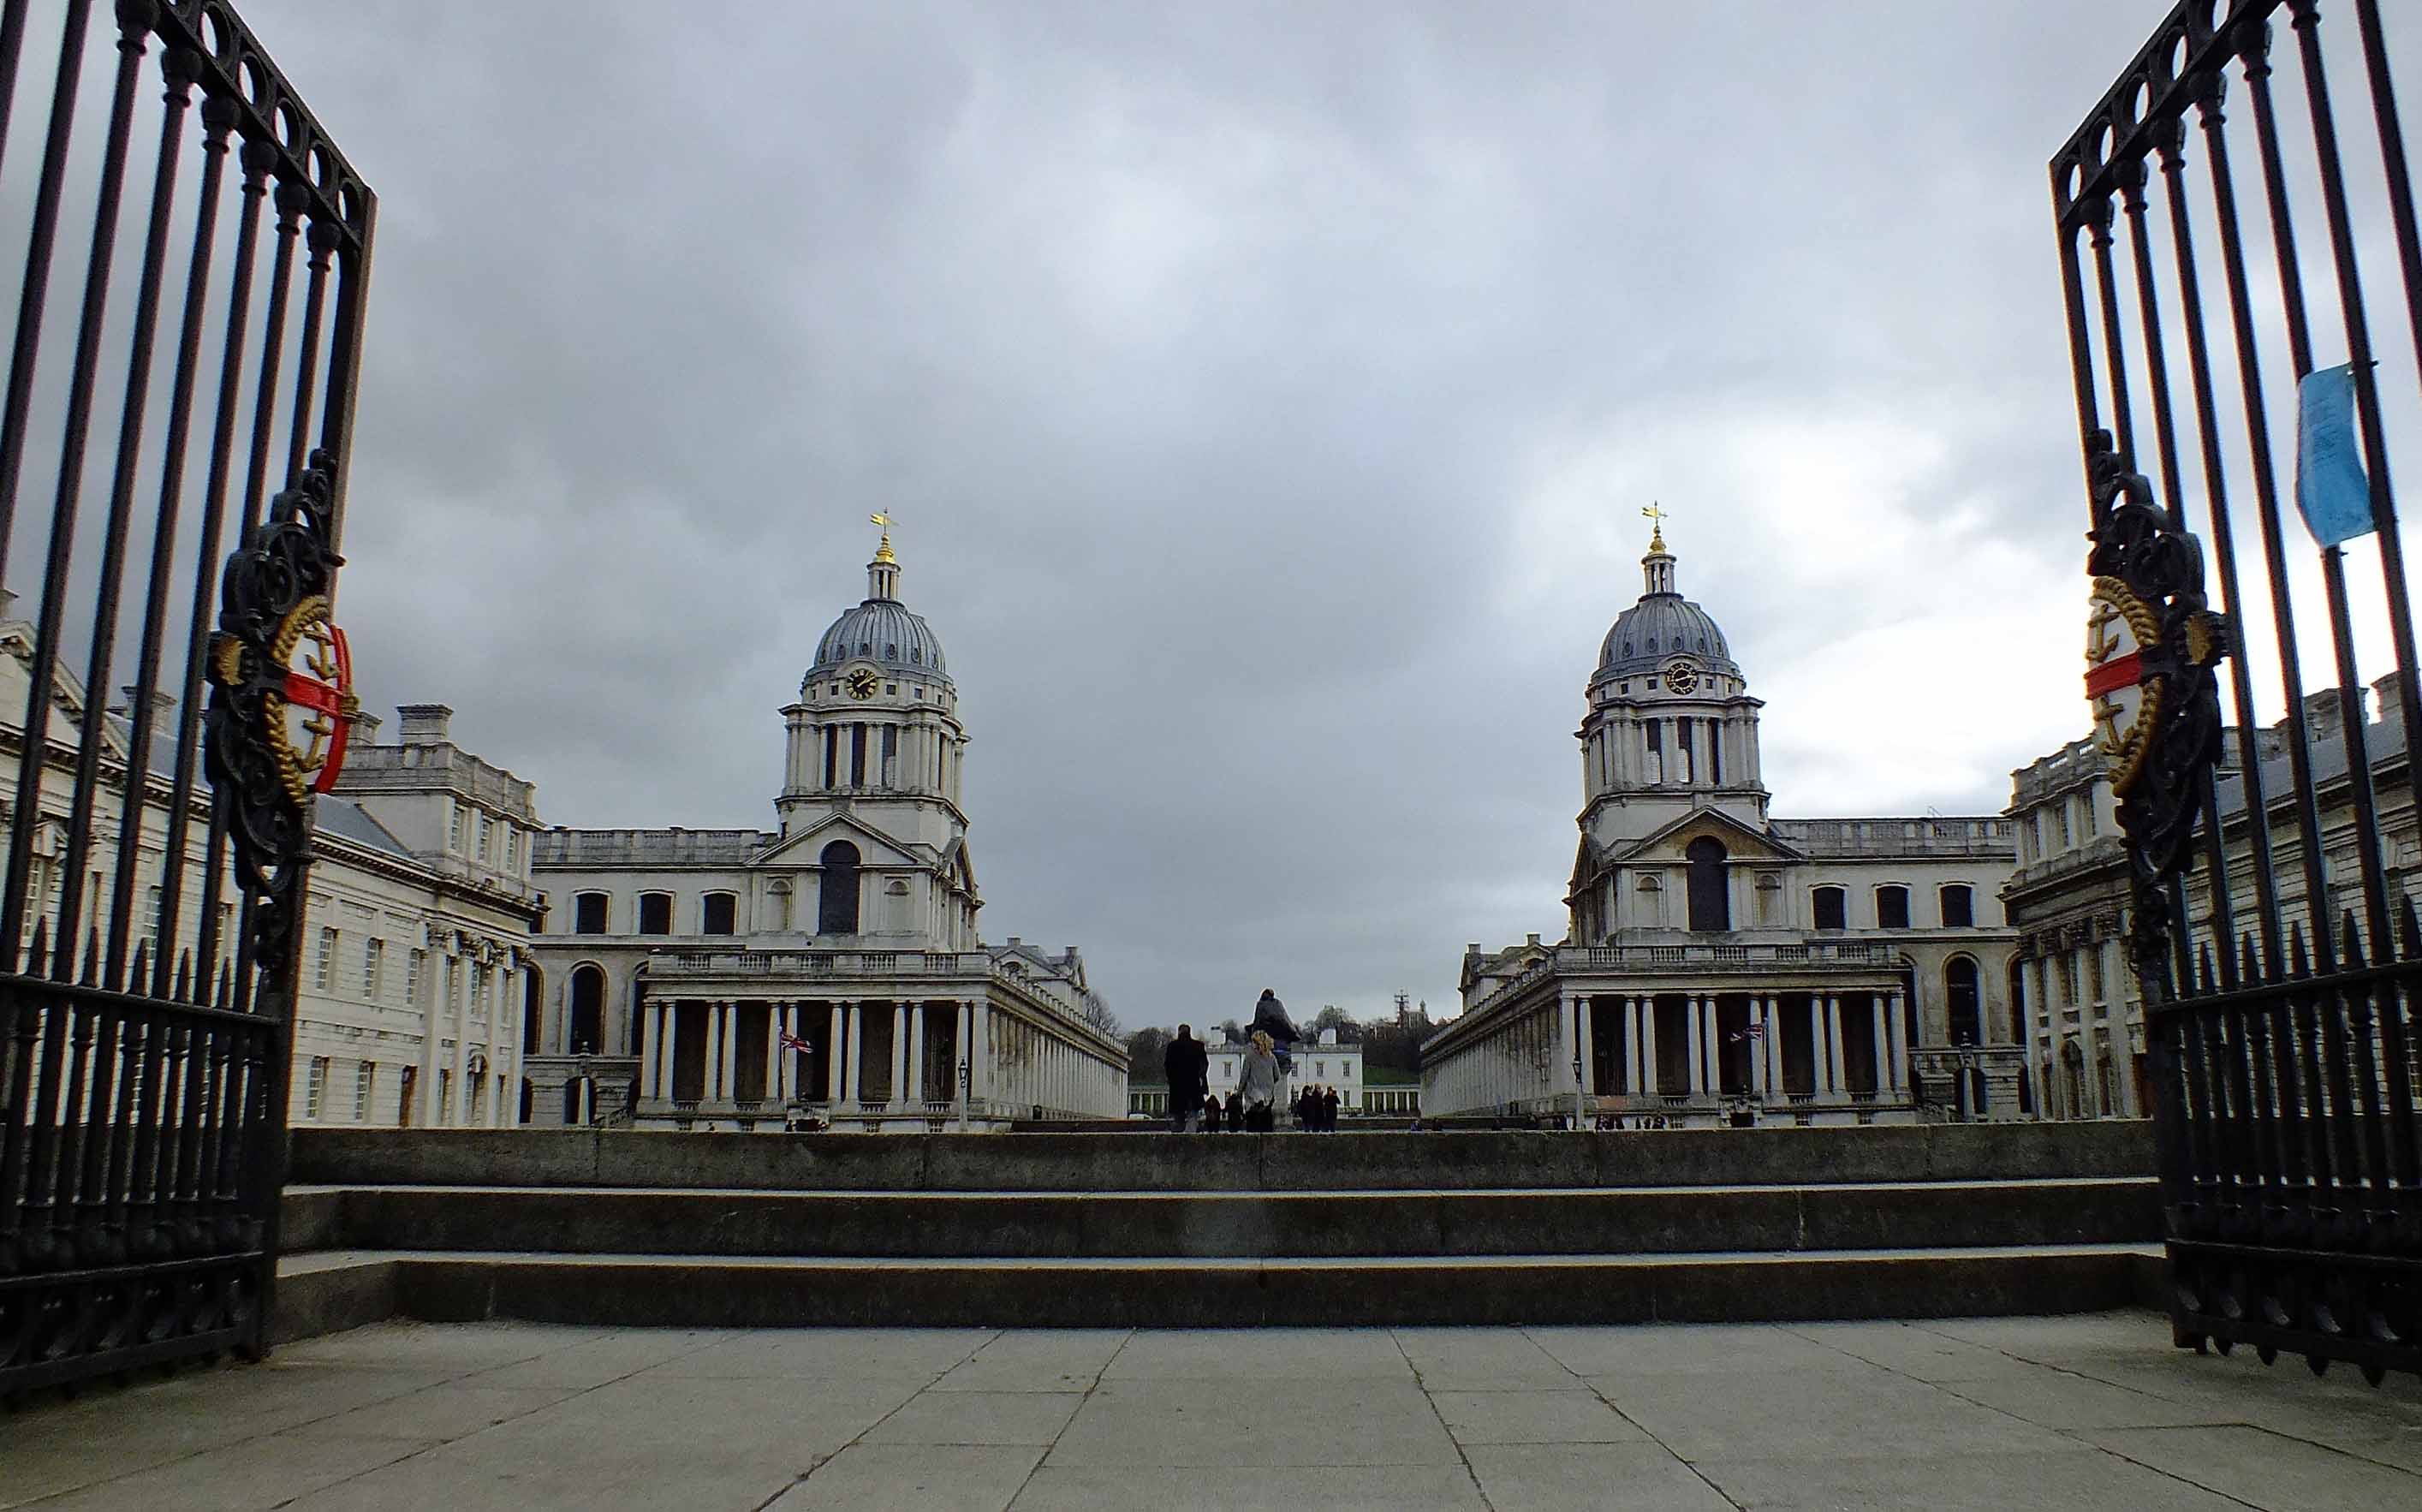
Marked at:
<point>277,727</point>
<point>2150,648</point>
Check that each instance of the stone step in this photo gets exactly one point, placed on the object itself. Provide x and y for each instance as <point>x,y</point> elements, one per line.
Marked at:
<point>1084,1224</point>
<point>1161,1161</point>
<point>341,1289</point>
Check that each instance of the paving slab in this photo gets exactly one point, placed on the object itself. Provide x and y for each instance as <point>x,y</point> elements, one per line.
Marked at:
<point>1690,1350</point>
<point>868,1477</point>
<point>2073,1476</point>
<point>1260,1354</point>
<point>1443,1487</point>
<point>1591,1478</point>
<point>1577,1416</point>
<point>1481,1360</point>
<point>265,1472</point>
<point>1037,1359</point>
<point>2266,1469</point>
<point>983,1418</point>
<point>1270,1424</point>
<point>1782,1416</point>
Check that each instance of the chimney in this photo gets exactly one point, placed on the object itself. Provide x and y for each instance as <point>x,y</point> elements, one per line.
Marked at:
<point>365,729</point>
<point>2390,691</point>
<point>162,702</point>
<point>2324,715</point>
<point>424,724</point>
<point>1532,940</point>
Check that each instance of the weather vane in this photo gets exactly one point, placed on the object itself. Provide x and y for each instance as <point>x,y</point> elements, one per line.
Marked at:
<point>1656,527</point>
<point>883,552</point>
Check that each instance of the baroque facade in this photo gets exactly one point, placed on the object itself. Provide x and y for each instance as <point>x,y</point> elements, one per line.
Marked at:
<point>2069,898</point>
<point>1724,966</point>
<point>414,950</point>
<point>828,968</point>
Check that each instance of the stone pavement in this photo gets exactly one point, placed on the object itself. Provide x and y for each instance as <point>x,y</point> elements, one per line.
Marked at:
<point>2060,1412</point>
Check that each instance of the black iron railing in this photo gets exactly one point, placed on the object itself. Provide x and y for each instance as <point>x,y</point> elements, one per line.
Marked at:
<point>157,846</point>
<point>2281,1024</point>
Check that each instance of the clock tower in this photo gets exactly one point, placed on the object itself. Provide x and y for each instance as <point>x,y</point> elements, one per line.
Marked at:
<point>1671,728</point>
<point>872,787</point>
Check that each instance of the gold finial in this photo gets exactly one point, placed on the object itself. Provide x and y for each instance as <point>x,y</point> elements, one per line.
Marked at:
<point>1656,527</point>
<point>883,552</point>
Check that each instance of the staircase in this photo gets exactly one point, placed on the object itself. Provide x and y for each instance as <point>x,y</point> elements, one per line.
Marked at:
<point>1156,1229</point>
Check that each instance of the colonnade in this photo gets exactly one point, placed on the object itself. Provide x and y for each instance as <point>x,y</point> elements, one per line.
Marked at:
<point>476,1004</point>
<point>2053,981</point>
<point>893,1055</point>
<point>1693,1052</point>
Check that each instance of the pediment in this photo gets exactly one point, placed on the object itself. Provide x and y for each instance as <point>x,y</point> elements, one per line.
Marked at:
<point>875,848</point>
<point>1741,841</point>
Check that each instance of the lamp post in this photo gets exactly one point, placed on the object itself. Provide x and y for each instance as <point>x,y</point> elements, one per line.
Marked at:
<point>1580,1095</point>
<point>966,1084</point>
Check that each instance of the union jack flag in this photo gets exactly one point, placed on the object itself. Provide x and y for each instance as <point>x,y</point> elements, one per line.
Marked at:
<point>1753,1032</point>
<point>792,1042</point>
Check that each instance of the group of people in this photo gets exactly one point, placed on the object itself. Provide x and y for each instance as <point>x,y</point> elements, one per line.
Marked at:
<point>1252,1107</point>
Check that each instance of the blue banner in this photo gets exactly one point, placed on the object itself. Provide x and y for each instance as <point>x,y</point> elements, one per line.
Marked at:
<point>2331,490</point>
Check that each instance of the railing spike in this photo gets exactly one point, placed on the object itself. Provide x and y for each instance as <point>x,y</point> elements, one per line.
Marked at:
<point>142,960</point>
<point>184,976</point>
<point>39,957</point>
<point>2354,956</point>
<point>2251,971</point>
<point>227,984</point>
<point>91,976</point>
<point>2299,966</point>
<point>2203,965</point>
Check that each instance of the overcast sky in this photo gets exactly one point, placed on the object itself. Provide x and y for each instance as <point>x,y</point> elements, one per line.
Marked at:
<point>1266,396</point>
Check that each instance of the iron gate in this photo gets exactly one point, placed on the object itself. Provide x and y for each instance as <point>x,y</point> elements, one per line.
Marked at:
<point>156,853</point>
<point>2273,925</point>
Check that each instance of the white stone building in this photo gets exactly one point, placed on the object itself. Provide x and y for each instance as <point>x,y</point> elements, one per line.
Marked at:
<point>737,979</point>
<point>398,928</point>
<point>1325,1062</point>
<point>1724,967</point>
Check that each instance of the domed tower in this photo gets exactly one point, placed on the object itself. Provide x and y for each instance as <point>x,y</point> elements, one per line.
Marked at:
<point>875,739</point>
<point>1671,727</point>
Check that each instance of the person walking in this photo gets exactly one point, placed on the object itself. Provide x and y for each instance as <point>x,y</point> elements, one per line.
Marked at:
<point>1258,1080</point>
<point>1329,1105</point>
<point>1187,1067</point>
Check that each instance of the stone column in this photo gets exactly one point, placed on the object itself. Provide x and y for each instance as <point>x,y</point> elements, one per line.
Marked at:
<point>1711,1043</point>
<point>1757,1048</point>
<point>2088,1035</point>
<point>1649,1085</point>
<point>844,1054</point>
<point>916,1053</point>
<point>2114,995</point>
<point>1693,1022</point>
<point>1816,1045</point>
<point>717,1043</point>
<point>1588,1010</point>
<point>1896,1032</point>
<point>2035,1024</point>
<point>1882,1046</point>
<point>1841,1084</point>
<point>459,1002</point>
<point>981,1069</point>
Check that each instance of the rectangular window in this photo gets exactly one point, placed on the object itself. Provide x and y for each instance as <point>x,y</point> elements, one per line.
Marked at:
<point>411,978</point>
<point>890,755</point>
<point>588,913</point>
<point>315,1086</point>
<point>1958,906</point>
<point>487,838</point>
<point>1891,907</point>
<point>655,913</point>
<point>152,922</point>
<point>718,913</point>
<point>1715,752</point>
<point>454,829</point>
<point>1685,753</point>
<point>2094,974</point>
<point>1828,908</point>
<point>2062,814</point>
<point>858,755</point>
<point>444,1092</point>
<point>832,755</point>
<point>364,1078</point>
<point>373,968</point>
<point>513,849</point>
<point>2093,819</point>
<point>323,969</point>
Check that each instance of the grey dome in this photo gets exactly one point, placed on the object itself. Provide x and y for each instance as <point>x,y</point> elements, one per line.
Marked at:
<point>1656,629</point>
<point>887,633</point>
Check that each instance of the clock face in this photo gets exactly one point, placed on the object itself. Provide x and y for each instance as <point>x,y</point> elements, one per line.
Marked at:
<point>1681,677</point>
<point>862,684</point>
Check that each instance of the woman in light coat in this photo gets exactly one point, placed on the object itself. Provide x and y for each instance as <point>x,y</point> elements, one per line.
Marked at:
<point>1258,1080</point>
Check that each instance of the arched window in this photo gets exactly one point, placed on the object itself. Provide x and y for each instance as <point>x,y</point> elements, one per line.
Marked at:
<point>1959,993</point>
<point>588,1012</point>
<point>655,913</point>
<point>716,911</point>
<point>1711,901</point>
<point>837,889</point>
<point>1827,903</point>
<point>1959,906</point>
<point>588,913</point>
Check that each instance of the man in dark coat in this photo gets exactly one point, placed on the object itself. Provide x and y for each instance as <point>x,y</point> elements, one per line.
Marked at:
<point>1188,1069</point>
<point>1270,1017</point>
